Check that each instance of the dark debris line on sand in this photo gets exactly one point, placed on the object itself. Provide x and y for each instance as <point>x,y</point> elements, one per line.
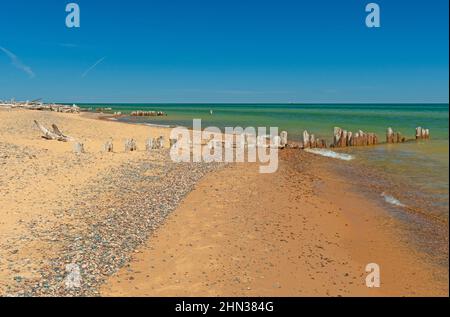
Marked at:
<point>106,230</point>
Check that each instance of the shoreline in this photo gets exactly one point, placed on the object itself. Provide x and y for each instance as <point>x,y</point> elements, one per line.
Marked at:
<point>116,164</point>
<point>415,213</point>
<point>299,237</point>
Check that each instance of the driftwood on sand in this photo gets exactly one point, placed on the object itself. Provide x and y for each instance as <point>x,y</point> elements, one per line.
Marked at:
<point>59,133</point>
<point>56,134</point>
<point>45,107</point>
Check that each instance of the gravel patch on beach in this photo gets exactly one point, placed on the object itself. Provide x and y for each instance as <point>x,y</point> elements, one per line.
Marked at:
<point>108,221</point>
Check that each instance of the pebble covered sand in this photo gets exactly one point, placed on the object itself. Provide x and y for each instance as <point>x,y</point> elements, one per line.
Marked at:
<point>91,224</point>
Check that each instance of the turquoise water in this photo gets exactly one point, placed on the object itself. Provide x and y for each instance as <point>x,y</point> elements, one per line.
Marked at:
<point>421,166</point>
<point>294,118</point>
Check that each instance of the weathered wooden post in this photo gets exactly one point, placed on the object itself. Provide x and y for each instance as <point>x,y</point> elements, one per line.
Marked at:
<point>306,140</point>
<point>261,141</point>
<point>418,133</point>
<point>130,145</point>
<point>312,141</point>
<point>365,139</point>
<point>276,142</point>
<point>108,146</point>
<point>337,134</point>
<point>148,145</point>
<point>78,148</point>
<point>422,133</point>
<point>389,135</point>
<point>284,138</point>
<point>153,143</point>
<point>161,142</point>
<point>343,139</point>
<point>173,142</point>
<point>394,137</point>
<point>349,138</point>
<point>399,138</point>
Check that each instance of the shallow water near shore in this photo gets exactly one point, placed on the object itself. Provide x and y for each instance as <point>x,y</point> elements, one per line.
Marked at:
<point>414,175</point>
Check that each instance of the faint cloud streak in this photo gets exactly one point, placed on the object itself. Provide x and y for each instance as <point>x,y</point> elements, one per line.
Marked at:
<point>16,62</point>
<point>68,45</point>
<point>92,67</point>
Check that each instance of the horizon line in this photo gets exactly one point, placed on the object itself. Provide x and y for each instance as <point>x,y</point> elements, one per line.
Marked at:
<point>261,103</point>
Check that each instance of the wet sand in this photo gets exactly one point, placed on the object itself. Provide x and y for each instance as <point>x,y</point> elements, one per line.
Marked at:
<point>298,232</point>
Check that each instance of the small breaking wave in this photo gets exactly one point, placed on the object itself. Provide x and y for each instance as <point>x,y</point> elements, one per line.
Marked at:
<point>332,154</point>
<point>391,200</point>
<point>157,125</point>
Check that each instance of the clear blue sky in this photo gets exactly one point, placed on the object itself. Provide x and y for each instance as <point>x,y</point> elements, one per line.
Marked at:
<point>225,51</point>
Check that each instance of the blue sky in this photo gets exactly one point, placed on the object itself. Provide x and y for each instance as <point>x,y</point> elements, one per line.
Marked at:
<point>224,51</point>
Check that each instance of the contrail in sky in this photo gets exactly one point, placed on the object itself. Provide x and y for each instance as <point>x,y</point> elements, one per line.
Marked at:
<point>92,67</point>
<point>18,63</point>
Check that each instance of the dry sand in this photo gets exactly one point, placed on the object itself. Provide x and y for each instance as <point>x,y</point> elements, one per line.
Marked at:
<point>300,231</point>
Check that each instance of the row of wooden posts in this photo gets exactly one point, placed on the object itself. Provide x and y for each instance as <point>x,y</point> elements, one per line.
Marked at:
<point>130,145</point>
<point>344,138</point>
<point>394,137</point>
<point>158,143</point>
<point>142,113</point>
<point>422,133</point>
<point>341,138</point>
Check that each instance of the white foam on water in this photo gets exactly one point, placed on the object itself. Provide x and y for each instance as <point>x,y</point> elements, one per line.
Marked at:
<point>391,200</point>
<point>332,154</point>
<point>157,125</point>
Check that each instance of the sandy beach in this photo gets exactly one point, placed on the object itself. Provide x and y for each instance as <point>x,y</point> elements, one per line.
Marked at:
<point>139,224</point>
<point>298,232</point>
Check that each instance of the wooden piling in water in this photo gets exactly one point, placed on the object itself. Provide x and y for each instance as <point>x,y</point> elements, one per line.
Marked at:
<point>344,138</point>
<point>310,141</point>
<point>394,137</point>
<point>141,113</point>
<point>422,133</point>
